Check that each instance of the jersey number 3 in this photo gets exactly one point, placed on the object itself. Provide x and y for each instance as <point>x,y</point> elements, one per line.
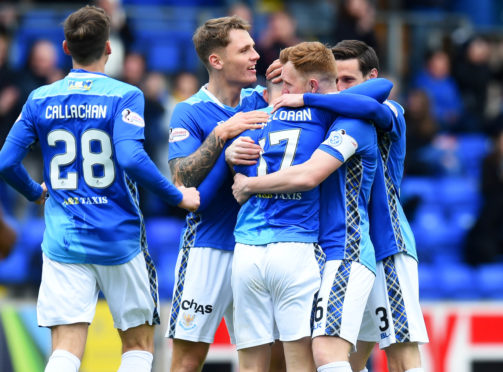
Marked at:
<point>90,159</point>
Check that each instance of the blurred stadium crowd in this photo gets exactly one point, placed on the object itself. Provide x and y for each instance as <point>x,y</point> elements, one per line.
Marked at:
<point>445,58</point>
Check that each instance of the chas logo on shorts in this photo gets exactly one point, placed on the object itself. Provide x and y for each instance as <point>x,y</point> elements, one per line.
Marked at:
<point>132,117</point>
<point>178,134</point>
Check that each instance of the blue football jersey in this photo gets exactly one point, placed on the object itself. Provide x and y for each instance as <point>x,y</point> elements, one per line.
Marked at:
<point>289,138</point>
<point>92,214</point>
<point>192,121</point>
<point>344,221</point>
<point>389,229</point>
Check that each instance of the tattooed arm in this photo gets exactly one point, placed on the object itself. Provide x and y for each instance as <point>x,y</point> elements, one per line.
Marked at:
<point>191,170</point>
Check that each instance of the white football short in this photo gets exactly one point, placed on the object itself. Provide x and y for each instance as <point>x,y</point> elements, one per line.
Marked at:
<point>393,313</point>
<point>274,286</point>
<point>202,294</point>
<point>338,311</point>
<point>69,292</point>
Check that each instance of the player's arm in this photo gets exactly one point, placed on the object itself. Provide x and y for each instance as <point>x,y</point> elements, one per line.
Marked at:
<point>193,169</point>
<point>361,102</point>
<point>128,137</point>
<point>301,177</point>
<point>17,144</point>
<point>330,155</point>
<point>15,174</point>
<point>133,158</point>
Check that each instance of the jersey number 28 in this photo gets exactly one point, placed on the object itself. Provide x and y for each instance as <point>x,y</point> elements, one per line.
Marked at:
<point>102,158</point>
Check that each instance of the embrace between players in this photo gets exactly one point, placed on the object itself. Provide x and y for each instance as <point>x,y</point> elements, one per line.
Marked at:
<point>319,254</point>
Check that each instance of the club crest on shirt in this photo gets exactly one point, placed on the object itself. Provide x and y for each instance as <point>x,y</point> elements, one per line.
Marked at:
<point>335,138</point>
<point>187,321</point>
<point>131,117</point>
<point>80,84</point>
<point>178,134</point>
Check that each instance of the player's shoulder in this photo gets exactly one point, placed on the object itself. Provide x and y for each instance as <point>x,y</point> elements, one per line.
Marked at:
<point>395,107</point>
<point>47,90</point>
<point>258,90</point>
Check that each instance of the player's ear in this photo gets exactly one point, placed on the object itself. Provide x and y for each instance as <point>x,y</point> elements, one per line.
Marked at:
<point>373,73</point>
<point>108,48</point>
<point>265,94</point>
<point>313,85</point>
<point>65,48</point>
<point>215,61</point>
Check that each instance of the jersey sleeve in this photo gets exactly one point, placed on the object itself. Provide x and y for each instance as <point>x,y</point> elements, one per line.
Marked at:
<point>134,160</point>
<point>255,135</point>
<point>129,122</point>
<point>377,88</point>
<point>21,136</point>
<point>345,137</point>
<point>185,134</point>
<point>398,120</point>
<point>23,132</point>
<point>213,181</point>
<point>361,101</point>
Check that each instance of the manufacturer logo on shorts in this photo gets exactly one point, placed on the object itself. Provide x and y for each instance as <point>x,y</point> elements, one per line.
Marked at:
<point>187,321</point>
<point>178,134</point>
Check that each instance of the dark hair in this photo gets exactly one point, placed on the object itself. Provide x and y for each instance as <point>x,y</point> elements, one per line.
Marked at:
<point>364,53</point>
<point>86,33</point>
<point>214,34</point>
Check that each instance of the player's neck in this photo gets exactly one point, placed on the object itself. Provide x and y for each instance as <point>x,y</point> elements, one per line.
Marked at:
<point>228,94</point>
<point>97,66</point>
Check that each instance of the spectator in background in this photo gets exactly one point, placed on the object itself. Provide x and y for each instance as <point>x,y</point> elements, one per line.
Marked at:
<point>121,36</point>
<point>7,237</point>
<point>473,75</point>
<point>356,21</point>
<point>10,104</point>
<point>421,130</point>
<point>134,69</point>
<point>241,10</point>
<point>41,68</point>
<point>485,241</point>
<point>445,97</point>
<point>279,34</point>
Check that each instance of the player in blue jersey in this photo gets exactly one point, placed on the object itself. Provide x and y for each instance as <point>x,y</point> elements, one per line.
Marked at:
<point>199,127</point>
<point>393,315</point>
<point>91,131</point>
<point>350,145</point>
<point>275,271</point>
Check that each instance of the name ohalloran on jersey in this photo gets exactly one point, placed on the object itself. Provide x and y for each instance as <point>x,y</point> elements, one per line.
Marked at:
<point>293,115</point>
<point>76,112</point>
<point>89,200</point>
<point>289,196</point>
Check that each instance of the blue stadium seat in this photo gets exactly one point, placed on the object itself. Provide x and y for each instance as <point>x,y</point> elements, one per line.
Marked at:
<point>24,264</point>
<point>490,281</point>
<point>424,187</point>
<point>163,237</point>
<point>457,190</point>
<point>165,57</point>
<point>428,282</point>
<point>457,281</point>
